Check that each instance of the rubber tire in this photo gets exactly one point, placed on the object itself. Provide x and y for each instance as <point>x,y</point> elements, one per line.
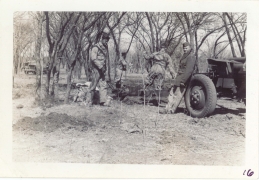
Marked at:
<point>209,91</point>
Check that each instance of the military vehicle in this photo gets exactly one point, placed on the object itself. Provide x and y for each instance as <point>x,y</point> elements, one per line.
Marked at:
<point>224,78</point>
<point>30,67</point>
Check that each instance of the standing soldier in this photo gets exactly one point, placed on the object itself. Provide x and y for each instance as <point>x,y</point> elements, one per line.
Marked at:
<point>186,67</point>
<point>156,74</point>
<point>99,56</point>
<point>131,67</point>
<point>120,67</point>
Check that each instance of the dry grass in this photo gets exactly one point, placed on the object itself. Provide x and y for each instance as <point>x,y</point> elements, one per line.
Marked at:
<point>128,134</point>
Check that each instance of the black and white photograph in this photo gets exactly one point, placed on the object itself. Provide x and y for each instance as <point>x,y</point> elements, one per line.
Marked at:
<point>130,88</point>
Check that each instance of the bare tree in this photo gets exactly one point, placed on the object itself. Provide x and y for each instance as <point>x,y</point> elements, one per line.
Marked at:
<point>87,22</point>
<point>228,34</point>
<point>239,32</point>
<point>68,37</point>
<point>38,41</point>
<point>23,39</point>
<point>116,27</point>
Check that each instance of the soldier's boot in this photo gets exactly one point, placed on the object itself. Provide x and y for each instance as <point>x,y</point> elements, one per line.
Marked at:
<point>167,111</point>
<point>170,107</point>
<point>163,111</point>
<point>108,102</point>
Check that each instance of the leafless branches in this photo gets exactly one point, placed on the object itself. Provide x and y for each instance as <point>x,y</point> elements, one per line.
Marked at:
<point>67,37</point>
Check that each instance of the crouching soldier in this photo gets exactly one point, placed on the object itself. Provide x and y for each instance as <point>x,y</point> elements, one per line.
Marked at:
<point>156,75</point>
<point>99,55</point>
<point>186,68</point>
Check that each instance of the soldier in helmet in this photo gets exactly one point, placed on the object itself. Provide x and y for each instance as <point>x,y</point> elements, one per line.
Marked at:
<point>160,60</point>
<point>120,67</point>
<point>99,56</point>
<point>186,67</point>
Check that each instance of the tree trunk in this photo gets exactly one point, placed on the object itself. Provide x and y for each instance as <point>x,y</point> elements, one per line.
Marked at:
<point>86,62</point>
<point>37,55</point>
<point>117,54</point>
<point>56,72</point>
<point>108,67</point>
<point>243,53</point>
<point>76,69</point>
<point>47,83</point>
<point>196,52</point>
<point>229,36</point>
<point>152,32</point>
<point>191,34</point>
<point>79,71</point>
<point>138,63</point>
<point>184,29</point>
<point>69,74</point>
<point>117,57</point>
<point>237,34</point>
<point>16,61</point>
<point>18,66</point>
<point>216,44</point>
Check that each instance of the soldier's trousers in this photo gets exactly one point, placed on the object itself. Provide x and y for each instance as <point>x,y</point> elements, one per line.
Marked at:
<point>98,76</point>
<point>174,98</point>
<point>154,81</point>
<point>155,77</point>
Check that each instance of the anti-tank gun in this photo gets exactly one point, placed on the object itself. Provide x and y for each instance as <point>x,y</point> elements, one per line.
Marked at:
<point>224,78</point>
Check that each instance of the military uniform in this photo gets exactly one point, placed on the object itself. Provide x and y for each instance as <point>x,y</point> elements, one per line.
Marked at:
<point>120,67</point>
<point>157,72</point>
<point>186,67</point>
<point>98,56</point>
<point>156,75</point>
<point>131,68</point>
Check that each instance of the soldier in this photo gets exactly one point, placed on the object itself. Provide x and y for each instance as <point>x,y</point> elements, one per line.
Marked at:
<point>99,55</point>
<point>130,67</point>
<point>156,75</point>
<point>120,67</point>
<point>186,67</point>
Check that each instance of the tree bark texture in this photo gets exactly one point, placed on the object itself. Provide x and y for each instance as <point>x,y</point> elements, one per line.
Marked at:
<point>229,36</point>
<point>37,55</point>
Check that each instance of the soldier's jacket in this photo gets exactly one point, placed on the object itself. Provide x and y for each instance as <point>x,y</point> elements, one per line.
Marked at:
<point>163,59</point>
<point>186,67</point>
<point>121,64</point>
<point>99,54</point>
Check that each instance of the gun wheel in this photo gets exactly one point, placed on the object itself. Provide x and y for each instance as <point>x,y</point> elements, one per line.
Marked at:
<point>201,96</point>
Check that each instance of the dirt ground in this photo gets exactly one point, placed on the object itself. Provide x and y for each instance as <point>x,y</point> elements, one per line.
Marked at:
<point>125,133</point>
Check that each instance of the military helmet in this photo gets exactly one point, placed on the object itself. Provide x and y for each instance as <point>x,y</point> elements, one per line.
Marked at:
<point>106,34</point>
<point>124,51</point>
<point>186,44</point>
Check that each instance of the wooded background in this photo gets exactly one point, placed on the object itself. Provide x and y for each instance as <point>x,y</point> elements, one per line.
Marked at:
<point>64,39</point>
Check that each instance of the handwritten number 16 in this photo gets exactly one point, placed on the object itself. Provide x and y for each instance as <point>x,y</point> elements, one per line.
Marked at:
<point>249,173</point>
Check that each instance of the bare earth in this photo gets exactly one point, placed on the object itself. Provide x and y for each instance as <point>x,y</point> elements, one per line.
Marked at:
<point>125,133</point>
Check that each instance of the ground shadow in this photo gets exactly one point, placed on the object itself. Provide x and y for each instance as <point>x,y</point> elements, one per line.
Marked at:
<point>224,110</point>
